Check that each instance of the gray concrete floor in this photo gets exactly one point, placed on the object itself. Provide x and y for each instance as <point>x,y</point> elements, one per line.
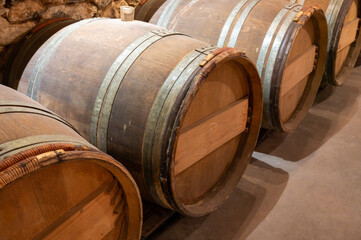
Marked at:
<point>305,185</point>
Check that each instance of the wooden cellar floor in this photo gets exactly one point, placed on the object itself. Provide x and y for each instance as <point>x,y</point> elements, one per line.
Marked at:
<point>305,185</point>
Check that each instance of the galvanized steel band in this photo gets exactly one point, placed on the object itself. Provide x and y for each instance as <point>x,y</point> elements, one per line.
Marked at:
<point>261,61</point>
<point>24,104</point>
<point>239,24</point>
<point>20,107</point>
<point>47,53</point>
<point>159,113</point>
<point>18,145</point>
<point>334,6</point>
<point>227,25</point>
<point>167,13</point>
<point>112,81</point>
<point>267,78</point>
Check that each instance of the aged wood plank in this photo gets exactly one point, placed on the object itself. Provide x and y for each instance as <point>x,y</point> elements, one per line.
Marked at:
<point>298,69</point>
<point>205,136</point>
<point>226,85</point>
<point>341,57</point>
<point>15,211</point>
<point>290,101</point>
<point>93,221</point>
<point>82,179</point>
<point>348,35</point>
<point>51,192</point>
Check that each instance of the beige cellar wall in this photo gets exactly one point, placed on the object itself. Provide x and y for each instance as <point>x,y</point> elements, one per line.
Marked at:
<point>18,17</point>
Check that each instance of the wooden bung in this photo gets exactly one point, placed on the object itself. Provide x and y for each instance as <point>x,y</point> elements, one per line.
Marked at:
<point>344,43</point>
<point>181,115</point>
<point>54,184</point>
<point>286,41</point>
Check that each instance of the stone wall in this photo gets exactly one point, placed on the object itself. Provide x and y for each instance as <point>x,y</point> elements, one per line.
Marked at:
<point>17,17</point>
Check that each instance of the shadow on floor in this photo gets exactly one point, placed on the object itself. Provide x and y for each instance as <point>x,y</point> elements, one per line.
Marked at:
<point>323,121</point>
<point>255,196</point>
<point>252,205</point>
<point>358,63</point>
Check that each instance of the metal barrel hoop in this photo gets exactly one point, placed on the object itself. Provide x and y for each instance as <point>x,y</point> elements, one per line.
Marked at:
<point>112,81</point>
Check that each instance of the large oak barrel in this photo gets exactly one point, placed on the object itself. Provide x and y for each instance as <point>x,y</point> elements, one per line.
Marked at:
<point>181,115</point>
<point>286,41</point>
<point>54,184</point>
<point>344,42</point>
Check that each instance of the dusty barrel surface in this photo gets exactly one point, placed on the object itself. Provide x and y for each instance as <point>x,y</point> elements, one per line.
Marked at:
<point>286,41</point>
<point>54,184</point>
<point>182,116</point>
<point>146,9</point>
<point>344,43</point>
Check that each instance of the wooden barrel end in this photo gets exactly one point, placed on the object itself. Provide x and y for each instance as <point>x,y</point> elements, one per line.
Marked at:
<point>82,195</point>
<point>298,76</point>
<point>218,127</point>
<point>346,42</point>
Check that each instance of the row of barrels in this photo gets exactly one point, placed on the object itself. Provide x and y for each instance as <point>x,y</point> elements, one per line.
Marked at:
<point>183,119</point>
<point>239,16</point>
<point>180,114</point>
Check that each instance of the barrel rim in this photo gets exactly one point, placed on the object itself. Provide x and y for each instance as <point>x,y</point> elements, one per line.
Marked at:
<point>226,184</point>
<point>314,81</point>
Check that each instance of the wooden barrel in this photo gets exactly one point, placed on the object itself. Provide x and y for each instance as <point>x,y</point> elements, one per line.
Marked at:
<point>344,43</point>
<point>182,118</point>
<point>54,184</point>
<point>146,9</point>
<point>286,41</point>
<point>26,48</point>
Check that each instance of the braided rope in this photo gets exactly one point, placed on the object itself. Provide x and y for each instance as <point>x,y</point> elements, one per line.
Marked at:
<point>30,160</point>
<point>18,170</point>
<point>9,161</point>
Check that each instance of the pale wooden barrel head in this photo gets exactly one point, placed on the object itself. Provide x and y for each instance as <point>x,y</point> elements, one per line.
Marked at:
<point>68,200</point>
<point>297,71</point>
<point>347,37</point>
<point>211,132</point>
